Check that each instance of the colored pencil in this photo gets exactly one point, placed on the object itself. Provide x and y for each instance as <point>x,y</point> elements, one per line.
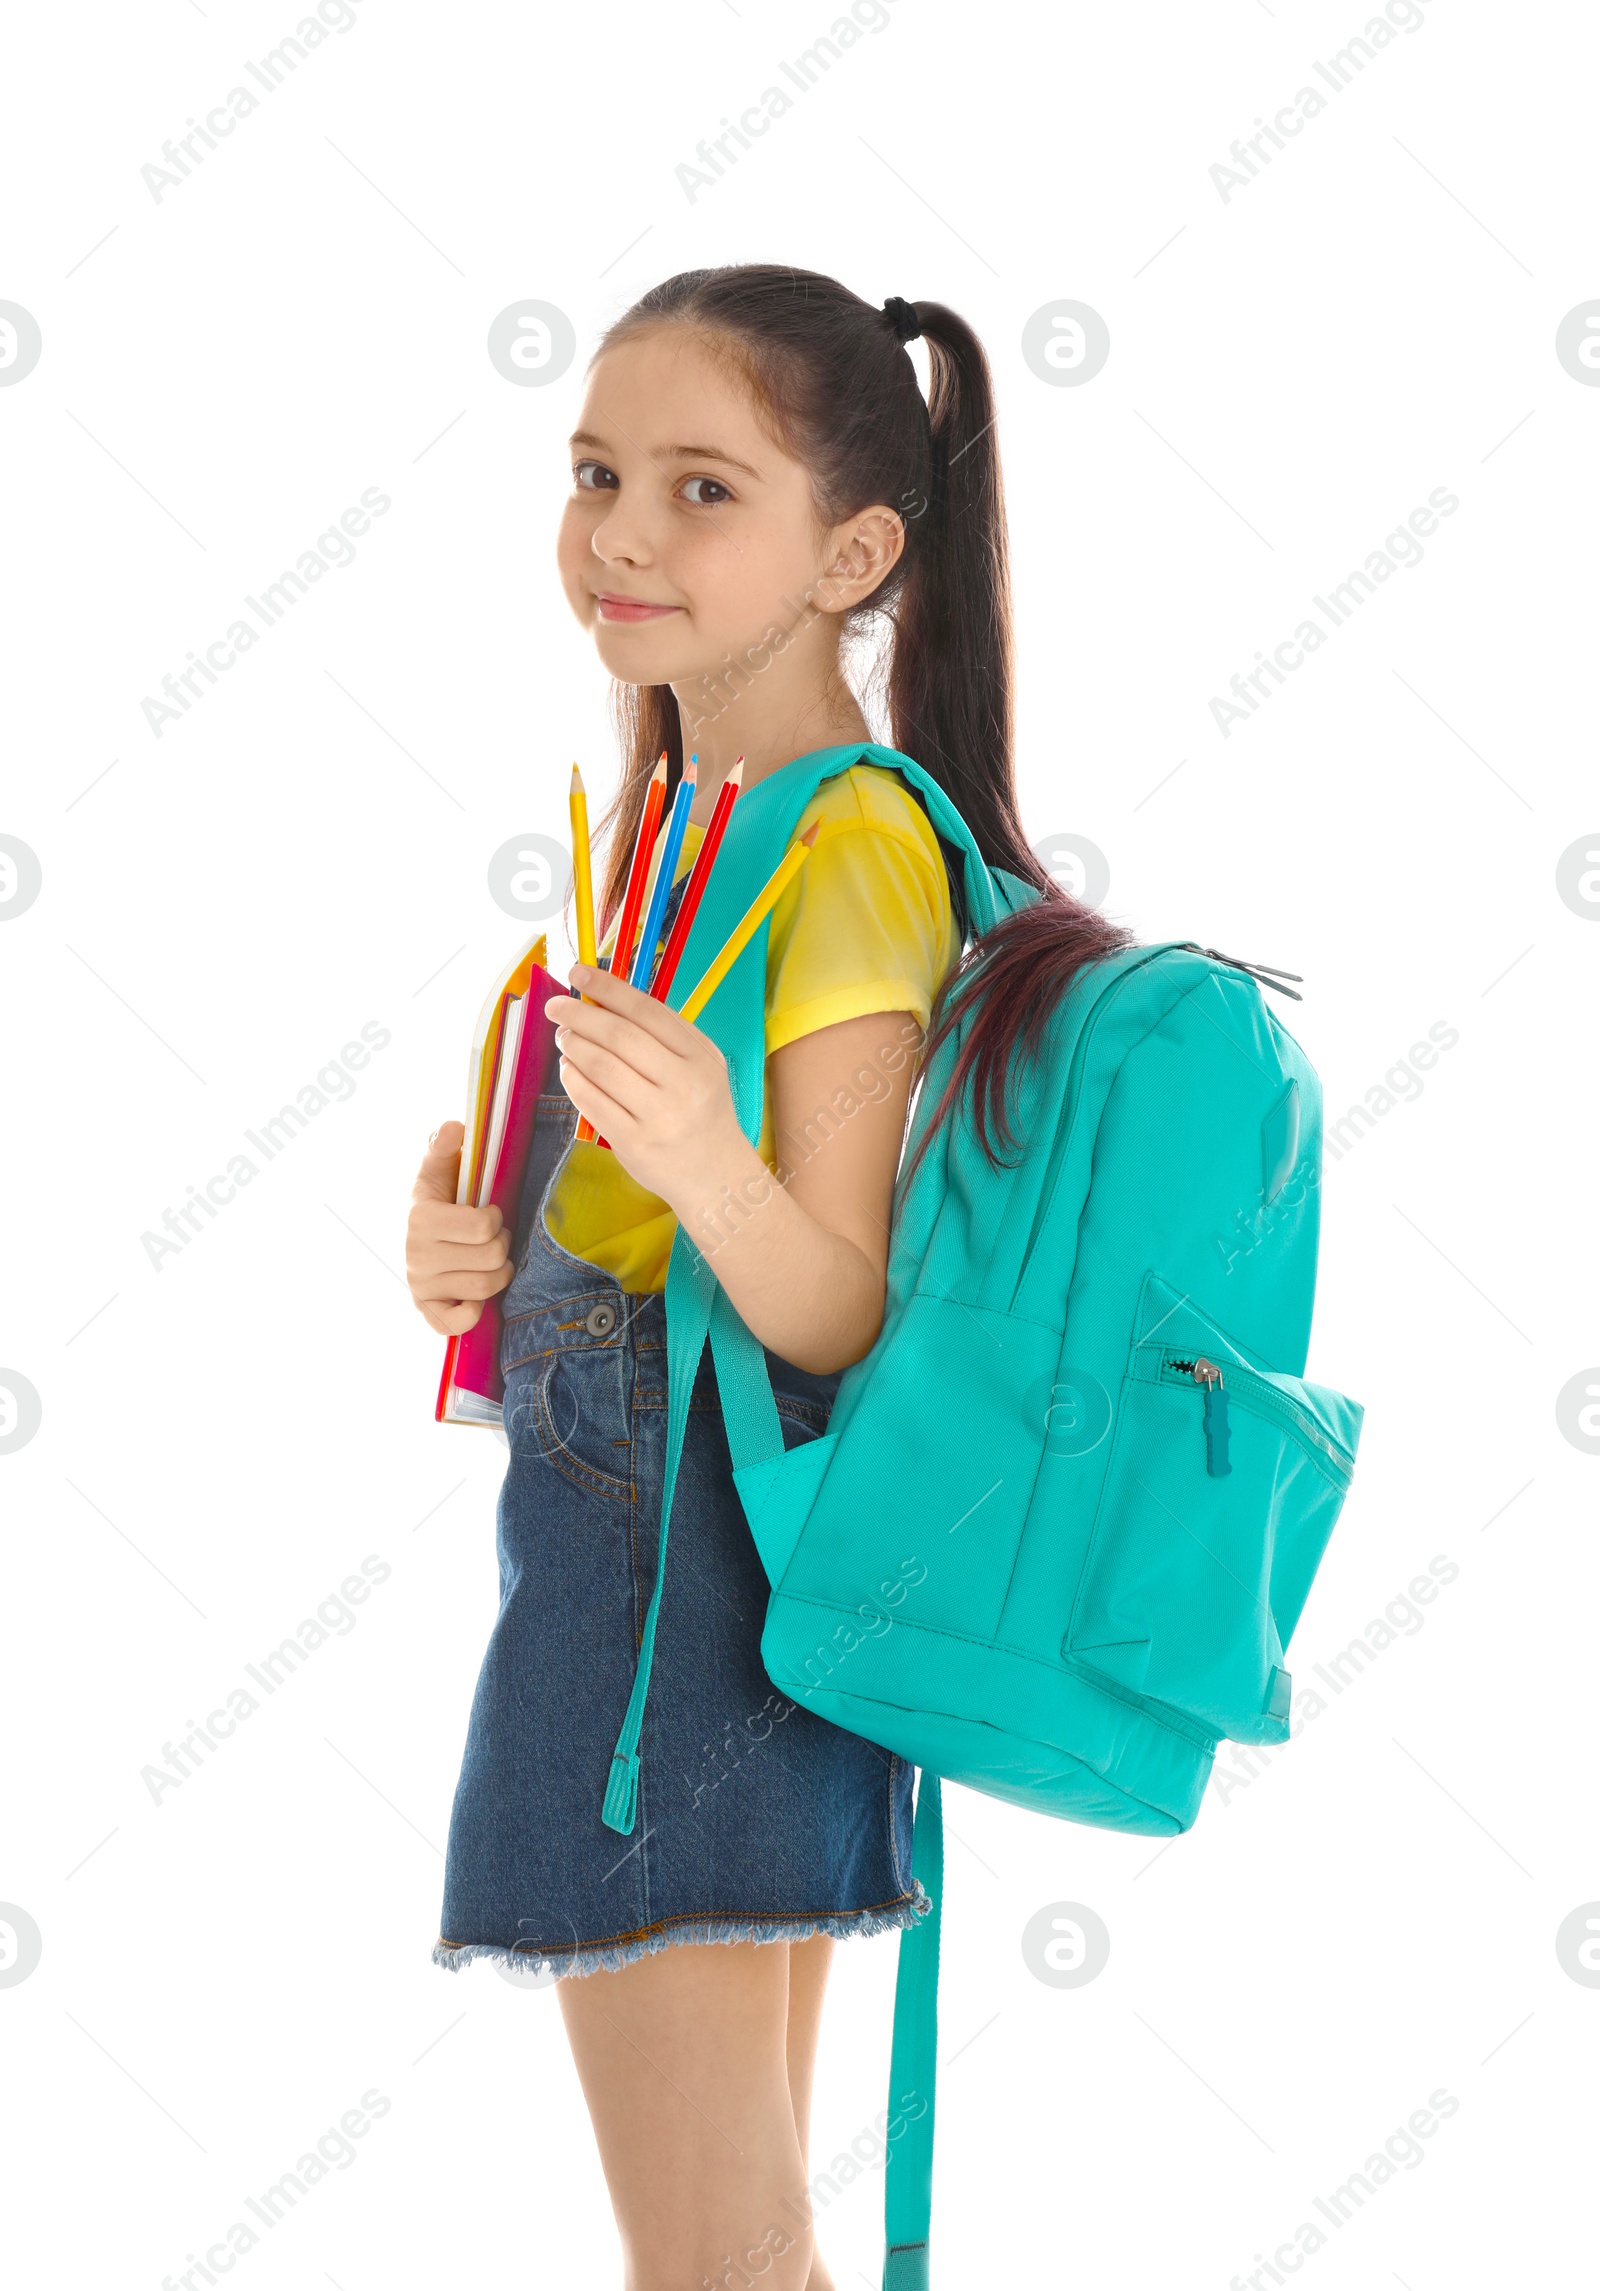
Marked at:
<point>622,945</point>
<point>656,907</point>
<point>582,882</point>
<point>694,889</point>
<point>582,878</point>
<point>655,796</point>
<point>749,923</point>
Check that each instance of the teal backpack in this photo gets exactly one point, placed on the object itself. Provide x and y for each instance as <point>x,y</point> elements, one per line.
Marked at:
<point>1068,1509</point>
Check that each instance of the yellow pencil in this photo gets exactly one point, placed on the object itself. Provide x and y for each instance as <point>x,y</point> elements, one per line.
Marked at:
<point>582,882</point>
<point>582,890</point>
<point>749,923</point>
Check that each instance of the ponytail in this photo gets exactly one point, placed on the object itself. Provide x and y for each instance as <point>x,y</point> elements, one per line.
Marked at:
<point>836,379</point>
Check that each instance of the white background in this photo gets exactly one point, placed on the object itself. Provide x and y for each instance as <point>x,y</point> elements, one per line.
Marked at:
<point>1372,1916</point>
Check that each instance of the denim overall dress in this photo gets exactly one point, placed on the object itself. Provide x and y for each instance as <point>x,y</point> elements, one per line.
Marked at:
<point>757,1820</point>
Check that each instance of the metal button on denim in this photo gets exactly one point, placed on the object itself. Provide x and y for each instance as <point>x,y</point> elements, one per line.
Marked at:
<point>600,1320</point>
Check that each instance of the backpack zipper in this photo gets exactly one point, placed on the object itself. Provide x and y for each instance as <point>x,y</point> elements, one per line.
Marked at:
<point>1208,1375</point>
<point>1259,1398</point>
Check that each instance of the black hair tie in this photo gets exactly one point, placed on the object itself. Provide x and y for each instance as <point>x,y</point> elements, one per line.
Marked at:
<point>903,318</point>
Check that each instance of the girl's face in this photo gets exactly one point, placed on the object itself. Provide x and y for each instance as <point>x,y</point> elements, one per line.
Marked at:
<point>690,535</point>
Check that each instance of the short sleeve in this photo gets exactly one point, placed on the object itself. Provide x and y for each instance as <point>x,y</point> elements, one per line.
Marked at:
<point>867,924</point>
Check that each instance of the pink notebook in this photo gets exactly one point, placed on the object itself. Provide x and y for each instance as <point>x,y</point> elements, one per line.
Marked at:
<point>511,1054</point>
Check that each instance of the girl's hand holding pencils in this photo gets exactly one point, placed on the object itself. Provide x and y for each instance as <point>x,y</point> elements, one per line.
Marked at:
<point>624,1047</point>
<point>801,1258</point>
<point>654,1086</point>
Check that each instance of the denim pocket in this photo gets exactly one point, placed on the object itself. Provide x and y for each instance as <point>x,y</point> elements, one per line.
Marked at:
<point>571,1407</point>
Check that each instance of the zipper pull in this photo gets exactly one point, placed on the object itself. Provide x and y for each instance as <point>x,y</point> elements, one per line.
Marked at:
<point>1208,1374</point>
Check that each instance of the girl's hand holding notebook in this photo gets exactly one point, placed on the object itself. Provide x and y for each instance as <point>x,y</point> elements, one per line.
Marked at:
<point>462,1245</point>
<point>456,1256</point>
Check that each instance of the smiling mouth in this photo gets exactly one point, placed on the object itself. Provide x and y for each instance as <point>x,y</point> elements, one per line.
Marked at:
<point>632,608</point>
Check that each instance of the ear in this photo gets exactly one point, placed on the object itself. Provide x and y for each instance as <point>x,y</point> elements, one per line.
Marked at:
<point>858,556</point>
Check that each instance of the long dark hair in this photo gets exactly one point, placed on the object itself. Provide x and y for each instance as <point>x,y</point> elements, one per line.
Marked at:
<point>840,390</point>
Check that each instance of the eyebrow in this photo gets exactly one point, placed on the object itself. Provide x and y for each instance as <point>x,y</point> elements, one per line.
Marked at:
<point>675,452</point>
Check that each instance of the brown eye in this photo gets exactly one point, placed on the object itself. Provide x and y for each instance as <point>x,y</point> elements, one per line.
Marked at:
<point>713,499</point>
<point>594,477</point>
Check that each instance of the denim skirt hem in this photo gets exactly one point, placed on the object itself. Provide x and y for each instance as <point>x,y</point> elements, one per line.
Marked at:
<point>627,1948</point>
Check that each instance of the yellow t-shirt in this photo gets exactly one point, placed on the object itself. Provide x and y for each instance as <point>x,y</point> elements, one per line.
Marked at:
<point>866,925</point>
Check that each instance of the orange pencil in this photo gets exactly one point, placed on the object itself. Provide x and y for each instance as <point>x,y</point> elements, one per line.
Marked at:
<point>655,795</point>
<point>666,867</point>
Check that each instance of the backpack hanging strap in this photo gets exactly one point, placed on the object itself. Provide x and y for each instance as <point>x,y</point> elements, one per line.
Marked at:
<point>755,1438</point>
<point>690,1287</point>
<point>913,2067</point>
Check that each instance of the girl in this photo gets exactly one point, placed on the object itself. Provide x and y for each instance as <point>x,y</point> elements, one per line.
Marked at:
<point>756,477</point>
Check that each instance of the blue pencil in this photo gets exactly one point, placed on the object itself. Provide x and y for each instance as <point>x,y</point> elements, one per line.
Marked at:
<point>677,821</point>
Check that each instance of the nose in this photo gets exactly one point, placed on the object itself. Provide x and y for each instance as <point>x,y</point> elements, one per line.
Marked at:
<point>621,537</point>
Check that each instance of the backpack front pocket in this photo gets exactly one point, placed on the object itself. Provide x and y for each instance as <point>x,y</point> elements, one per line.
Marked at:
<point>1221,1492</point>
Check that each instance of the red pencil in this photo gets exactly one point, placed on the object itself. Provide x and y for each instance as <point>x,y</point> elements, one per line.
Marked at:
<point>655,796</point>
<point>695,887</point>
